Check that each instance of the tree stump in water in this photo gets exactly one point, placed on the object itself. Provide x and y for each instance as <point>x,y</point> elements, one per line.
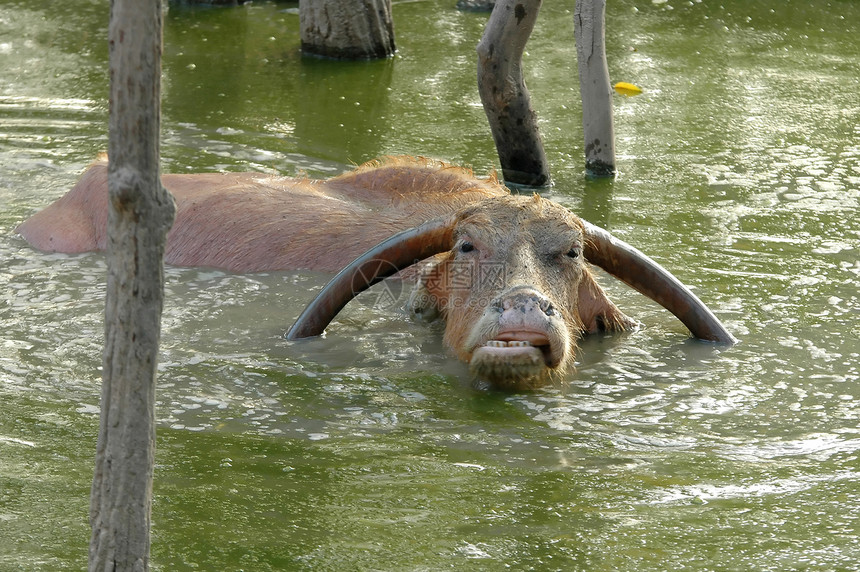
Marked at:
<point>207,2</point>
<point>476,5</point>
<point>347,29</point>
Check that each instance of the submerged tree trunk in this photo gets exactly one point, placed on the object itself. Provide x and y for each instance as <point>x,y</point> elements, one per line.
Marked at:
<point>207,2</point>
<point>476,5</point>
<point>505,96</point>
<point>141,212</point>
<point>594,87</point>
<point>347,29</point>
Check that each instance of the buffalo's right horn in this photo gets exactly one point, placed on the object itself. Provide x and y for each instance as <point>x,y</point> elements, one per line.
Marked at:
<point>601,248</point>
<point>645,275</point>
<point>383,260</point>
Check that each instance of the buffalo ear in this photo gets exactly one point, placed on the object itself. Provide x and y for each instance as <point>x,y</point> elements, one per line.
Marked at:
<point>597,312</point>
<point>644,274</point>
<point>428,298</point>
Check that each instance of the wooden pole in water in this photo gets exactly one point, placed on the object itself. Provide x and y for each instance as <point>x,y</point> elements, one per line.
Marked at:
<point>140,214</point>
<point>594,87</point>
<point>504,94</point>
<point>347,29</point>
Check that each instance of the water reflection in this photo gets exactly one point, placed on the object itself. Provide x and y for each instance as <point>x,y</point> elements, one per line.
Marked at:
<point>353,120</point>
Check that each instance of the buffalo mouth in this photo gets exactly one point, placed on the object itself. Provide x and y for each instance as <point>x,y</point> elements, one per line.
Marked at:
<point>516,360</point>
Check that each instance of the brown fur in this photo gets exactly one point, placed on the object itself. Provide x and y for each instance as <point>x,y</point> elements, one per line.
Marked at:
<point>519,259</point>
<point>249,222</point>
<point>527,282</point>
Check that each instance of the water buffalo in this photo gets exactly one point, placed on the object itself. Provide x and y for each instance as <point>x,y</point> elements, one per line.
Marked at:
<point>510,274</point>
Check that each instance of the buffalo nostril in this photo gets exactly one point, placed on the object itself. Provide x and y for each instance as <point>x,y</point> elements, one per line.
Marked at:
<point>524,302</point>
<point>547,307</point>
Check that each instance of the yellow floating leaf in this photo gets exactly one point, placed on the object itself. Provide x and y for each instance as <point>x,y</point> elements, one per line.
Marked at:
<point>627,89</point>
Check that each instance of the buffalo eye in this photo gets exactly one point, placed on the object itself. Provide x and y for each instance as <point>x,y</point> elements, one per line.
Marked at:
<point>467,247</point>
<point>573,253</point>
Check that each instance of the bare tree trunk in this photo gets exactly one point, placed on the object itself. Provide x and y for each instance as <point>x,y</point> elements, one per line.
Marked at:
<point>347,29</point>
<point>594,87</point>
<point>141,213</point>
<point>505,96</point>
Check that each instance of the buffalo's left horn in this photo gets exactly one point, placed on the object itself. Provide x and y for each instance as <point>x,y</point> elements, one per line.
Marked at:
<point>645,275</point>
<point>383,260</point>
<point>601,248</point>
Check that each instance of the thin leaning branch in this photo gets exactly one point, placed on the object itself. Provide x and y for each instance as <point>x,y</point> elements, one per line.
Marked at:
<point>504,94</point>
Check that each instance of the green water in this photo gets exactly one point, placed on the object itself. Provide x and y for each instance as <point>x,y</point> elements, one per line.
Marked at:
<point>367,450</point>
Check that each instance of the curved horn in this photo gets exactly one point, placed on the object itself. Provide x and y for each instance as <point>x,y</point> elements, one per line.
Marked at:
<point>644,274</point>
<point>383,260</point>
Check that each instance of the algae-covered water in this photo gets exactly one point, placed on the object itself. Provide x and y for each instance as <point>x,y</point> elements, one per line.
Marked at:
<point>367,449</point>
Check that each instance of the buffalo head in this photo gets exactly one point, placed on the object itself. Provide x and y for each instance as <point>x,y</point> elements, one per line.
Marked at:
<point>511,277</point>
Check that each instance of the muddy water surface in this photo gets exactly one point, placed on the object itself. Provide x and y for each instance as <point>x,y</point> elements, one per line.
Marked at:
<point>740,171</point>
